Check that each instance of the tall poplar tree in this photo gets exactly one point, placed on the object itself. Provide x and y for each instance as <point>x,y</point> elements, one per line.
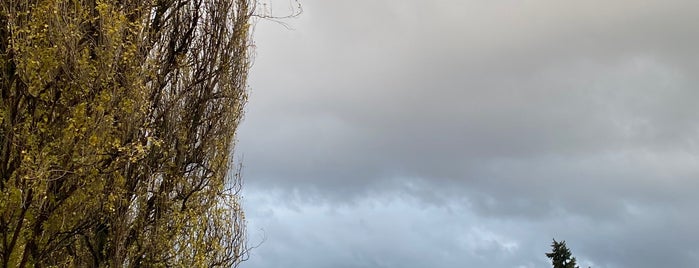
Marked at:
<point>117,122</point>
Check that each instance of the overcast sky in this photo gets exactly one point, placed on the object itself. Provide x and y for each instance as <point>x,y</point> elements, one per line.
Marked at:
<point>469,133</point>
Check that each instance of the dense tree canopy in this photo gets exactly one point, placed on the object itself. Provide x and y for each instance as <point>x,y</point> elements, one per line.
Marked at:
<point>117,123</point>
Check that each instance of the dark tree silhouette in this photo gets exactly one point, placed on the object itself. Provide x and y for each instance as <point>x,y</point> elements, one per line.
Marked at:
<point>560,255</point>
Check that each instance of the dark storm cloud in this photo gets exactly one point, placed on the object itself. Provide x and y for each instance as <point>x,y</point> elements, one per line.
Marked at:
<point>540,113</point>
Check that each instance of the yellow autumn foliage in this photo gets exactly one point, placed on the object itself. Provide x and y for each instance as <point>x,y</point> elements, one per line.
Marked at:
<point>117,126</point>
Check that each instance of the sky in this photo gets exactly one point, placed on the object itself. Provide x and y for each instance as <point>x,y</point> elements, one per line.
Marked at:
<point>470,133</point>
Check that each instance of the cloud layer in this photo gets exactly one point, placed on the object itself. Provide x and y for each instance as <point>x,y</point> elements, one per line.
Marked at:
<point>469,133</point>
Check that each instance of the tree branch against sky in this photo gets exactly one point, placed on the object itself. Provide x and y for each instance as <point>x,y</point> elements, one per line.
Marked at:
<point>117,125</point>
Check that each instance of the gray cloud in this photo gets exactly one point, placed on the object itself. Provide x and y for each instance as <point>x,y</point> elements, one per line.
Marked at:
<point>572,119</point>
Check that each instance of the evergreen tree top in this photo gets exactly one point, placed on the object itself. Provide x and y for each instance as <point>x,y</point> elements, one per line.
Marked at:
<point>560,255</point>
